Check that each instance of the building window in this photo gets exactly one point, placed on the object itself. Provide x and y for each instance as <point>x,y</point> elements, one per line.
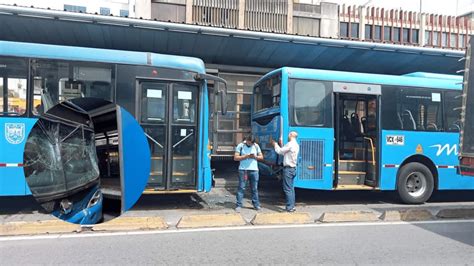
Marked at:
<point>396,34</point>
<point>72,8</point>
<point>452,40</point>
<point>354,30</point>
<point>378,33</point>
<point>444,39</point>
<point>427,37</point>
<point>461,41</point>
<point>435,38</point>
<point>414,36</point>
<point>105,11</point>
<point>123,13</point>
<point>344,29</point>
<point>368,32</point>
<point>387,33</point>
<point>406,37</point>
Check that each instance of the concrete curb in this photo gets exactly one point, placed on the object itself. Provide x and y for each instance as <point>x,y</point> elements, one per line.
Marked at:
<point>411,215</point>
<point>281,218</point>
<point>128,223</point>
<point>348,216</point>
<point>456,214</point>
<point>132,223</point>
<point>210,220</point>
<point>38,228</point>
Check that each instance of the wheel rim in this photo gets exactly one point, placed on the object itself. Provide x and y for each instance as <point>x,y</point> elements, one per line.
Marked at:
<point>416,184</point>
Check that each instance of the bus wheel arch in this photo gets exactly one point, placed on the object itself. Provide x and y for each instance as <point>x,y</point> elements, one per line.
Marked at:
<point>417,178</point>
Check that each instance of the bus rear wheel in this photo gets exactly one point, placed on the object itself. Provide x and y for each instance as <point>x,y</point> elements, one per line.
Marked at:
<point>415,183</point>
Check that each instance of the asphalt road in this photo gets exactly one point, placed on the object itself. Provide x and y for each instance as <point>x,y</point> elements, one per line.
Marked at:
<point>429,243</point>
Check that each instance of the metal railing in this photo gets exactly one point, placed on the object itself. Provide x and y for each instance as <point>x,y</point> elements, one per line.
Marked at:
<point>266,15</point>
<point>216,13</point>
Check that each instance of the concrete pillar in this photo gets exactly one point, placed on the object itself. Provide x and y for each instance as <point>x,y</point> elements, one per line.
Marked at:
<point>142,9</point>
<point>329,24</point>
<point>189,11</point>
<point>241,14</point>
<point>362,22</point>
<point>289,22</point>
<point>421,32</point>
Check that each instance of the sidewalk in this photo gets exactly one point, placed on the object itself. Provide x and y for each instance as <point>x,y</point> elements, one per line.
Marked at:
<point>216,209</point>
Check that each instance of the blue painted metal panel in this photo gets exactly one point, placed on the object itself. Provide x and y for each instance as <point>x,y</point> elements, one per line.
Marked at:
<point>263,134</point>
<point>204,162</point>
<point>12,178</point>
<point>81,213</point>
<point>135,158</point>
<point>441,148</point>
<point>311,157</point>
<point>100,55</point>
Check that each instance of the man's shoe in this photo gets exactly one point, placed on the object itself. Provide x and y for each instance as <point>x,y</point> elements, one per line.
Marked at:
<point>291,210</point>
<point>237,209</point>
<point>258,208</point>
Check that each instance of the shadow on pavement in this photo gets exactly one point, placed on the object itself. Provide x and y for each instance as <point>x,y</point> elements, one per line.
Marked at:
<point>19,205</point>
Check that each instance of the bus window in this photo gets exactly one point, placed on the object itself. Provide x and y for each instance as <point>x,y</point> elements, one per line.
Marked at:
<point>416,109</point>
<point>267,94</point>
<point>184,105</point>
<point>13,84</point>
<point>56,81</point>
<point>310,103</point>
<point>153,103</point>
<point>452,105</point>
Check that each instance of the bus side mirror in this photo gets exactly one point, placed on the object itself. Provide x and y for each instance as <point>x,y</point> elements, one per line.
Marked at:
<point>222,92</point>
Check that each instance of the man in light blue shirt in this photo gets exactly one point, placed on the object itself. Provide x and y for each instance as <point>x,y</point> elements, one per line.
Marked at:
<point>247,153</point>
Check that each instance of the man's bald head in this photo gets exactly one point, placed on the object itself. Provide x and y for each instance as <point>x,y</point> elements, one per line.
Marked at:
<point>292,135</point>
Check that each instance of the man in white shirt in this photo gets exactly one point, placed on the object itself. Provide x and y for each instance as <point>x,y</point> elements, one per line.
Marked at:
<point>290,156</point>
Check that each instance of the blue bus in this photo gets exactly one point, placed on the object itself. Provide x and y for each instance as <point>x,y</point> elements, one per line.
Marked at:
<point>364,131</point>
<point>166,94</point>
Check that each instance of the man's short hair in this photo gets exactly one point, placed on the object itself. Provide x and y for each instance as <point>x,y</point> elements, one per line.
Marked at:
<point>294,134</point>
<point>250,138</point>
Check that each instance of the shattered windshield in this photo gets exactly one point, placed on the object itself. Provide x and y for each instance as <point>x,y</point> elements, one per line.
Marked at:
<point>60,157</point>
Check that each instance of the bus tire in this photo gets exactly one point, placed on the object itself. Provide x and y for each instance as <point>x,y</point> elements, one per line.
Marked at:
<point>415,183</point>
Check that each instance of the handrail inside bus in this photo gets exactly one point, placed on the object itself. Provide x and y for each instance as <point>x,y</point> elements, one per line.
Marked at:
<point>372,146</point>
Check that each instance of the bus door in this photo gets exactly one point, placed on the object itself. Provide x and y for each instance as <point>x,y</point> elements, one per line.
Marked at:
<point>168,114</point>
<point>357,134</point>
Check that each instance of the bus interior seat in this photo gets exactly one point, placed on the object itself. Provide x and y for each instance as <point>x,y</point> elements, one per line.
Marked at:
<point>432,127</point>
<point>408,120</point>
<point>356,126</point>
<point>363,121</point>
<point>347,129</point>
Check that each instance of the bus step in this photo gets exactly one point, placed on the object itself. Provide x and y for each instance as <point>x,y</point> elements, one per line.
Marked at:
<point>353,187</point>
<point>352,165</point>
<point>351,178</point>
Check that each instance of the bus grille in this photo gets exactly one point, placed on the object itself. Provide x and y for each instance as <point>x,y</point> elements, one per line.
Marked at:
<point>311,165</point>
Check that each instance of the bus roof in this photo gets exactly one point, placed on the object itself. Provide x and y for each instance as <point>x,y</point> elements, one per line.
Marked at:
<point>417,79</point>
<point>34,50</point>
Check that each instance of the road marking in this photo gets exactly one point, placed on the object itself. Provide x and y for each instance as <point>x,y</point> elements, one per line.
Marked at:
<point>236,228</point>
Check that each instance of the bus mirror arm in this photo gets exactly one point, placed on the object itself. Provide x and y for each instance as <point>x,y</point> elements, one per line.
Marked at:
<point>222,92</point>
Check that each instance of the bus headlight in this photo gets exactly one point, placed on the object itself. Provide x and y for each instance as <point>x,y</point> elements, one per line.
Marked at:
<point>96,198</point>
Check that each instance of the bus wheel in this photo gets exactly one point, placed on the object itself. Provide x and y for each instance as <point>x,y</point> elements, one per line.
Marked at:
<point>415,183</point>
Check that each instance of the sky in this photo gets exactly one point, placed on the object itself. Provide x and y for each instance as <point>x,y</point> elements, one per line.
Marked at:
<point>442,7</point>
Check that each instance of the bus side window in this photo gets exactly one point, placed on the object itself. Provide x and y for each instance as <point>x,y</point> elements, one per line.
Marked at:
<point>452,110</point>
<point>58,81</point>
<point>13,84</point>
